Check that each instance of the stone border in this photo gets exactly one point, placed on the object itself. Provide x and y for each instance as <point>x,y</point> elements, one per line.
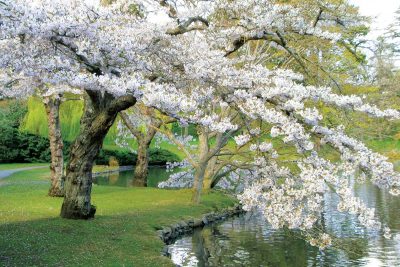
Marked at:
<point>171,233</point>
<point>120,169</point>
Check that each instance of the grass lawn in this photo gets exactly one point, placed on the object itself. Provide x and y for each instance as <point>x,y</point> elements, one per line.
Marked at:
<point>123,232</point>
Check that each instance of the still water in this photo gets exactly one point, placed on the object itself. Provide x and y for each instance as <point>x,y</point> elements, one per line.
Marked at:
<point>249,241</point>
<point>125,178</point>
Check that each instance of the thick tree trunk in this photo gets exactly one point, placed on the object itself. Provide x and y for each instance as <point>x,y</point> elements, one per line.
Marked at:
<point>198,183</point>
<point>99,115</point>
<point>52,105</point>
<point>142,163</point>
<point>201,168</point>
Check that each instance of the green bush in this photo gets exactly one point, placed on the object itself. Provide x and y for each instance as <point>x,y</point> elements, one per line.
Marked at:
<point>16,146</point>
<point>161,156</point>
<point>123,157</point>
<point>33,148</point>
<point>157,157</point>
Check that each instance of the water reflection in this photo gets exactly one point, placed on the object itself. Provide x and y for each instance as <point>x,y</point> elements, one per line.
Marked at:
<point>249,241</point>
<point>125,178</point>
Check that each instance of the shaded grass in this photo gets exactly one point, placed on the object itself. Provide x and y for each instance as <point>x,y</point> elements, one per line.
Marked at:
<point>122,234</point>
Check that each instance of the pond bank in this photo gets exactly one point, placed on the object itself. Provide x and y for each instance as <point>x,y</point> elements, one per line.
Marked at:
<point>120,169</point>
<point>170,233</point>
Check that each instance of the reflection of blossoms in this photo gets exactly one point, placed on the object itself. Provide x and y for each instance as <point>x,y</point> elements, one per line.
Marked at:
<point>323,241</point>
<point>387,233</point>
<point>296,201</point>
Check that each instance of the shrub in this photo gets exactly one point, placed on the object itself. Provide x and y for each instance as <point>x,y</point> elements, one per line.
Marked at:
<point>123,157</point>
<point>162,156</point>
<point>16,146</point>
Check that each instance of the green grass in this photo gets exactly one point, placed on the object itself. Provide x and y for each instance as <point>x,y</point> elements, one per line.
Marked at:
<point>123,232</point>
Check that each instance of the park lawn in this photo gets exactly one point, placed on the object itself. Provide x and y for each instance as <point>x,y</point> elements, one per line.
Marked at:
<point>123,232</point>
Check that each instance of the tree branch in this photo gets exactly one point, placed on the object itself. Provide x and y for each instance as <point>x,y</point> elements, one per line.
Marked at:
<point>186,26</point>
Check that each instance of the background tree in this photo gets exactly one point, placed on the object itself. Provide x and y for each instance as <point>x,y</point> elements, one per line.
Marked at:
<point>52,106</point>
<point>142,122</point>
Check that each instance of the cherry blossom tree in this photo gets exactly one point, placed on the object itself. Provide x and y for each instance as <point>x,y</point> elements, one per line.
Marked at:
<point>212,157</point>
<point>142,124</point>
<point>117,54</point>
<point>53,43</point>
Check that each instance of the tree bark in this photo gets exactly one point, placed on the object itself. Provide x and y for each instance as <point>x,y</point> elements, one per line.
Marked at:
<point>99,115</point>
<point>204,148</point>
<point>198,183</point>
<point>52,106</point>
<point>142,163</point>
<point>209,173</point>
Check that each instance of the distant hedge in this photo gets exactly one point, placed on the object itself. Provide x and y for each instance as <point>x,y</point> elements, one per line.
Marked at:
<point>162,156</point>
<point>16,146</point>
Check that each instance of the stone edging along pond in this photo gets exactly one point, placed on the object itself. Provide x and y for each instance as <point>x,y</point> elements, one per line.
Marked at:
<point>120,169</point>
<point>171,233</point>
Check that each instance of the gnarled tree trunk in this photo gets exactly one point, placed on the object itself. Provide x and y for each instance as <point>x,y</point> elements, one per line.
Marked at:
<point>142,163</point>
<point>99,115</point>
<point>52,106</point>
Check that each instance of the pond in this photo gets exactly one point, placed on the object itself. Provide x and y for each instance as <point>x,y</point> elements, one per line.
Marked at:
<point>125,178</point>
<point>249,241</point>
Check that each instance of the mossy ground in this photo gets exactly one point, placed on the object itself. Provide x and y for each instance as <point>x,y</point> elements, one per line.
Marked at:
<point>123,232</point>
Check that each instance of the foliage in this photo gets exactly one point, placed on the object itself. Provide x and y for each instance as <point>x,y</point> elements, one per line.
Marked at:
<point>35,121</point>
<point>20,146</point>
<point>123,157</point>
<point>157,157</point>
<point>16,146</point>
<point>161,156</point>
